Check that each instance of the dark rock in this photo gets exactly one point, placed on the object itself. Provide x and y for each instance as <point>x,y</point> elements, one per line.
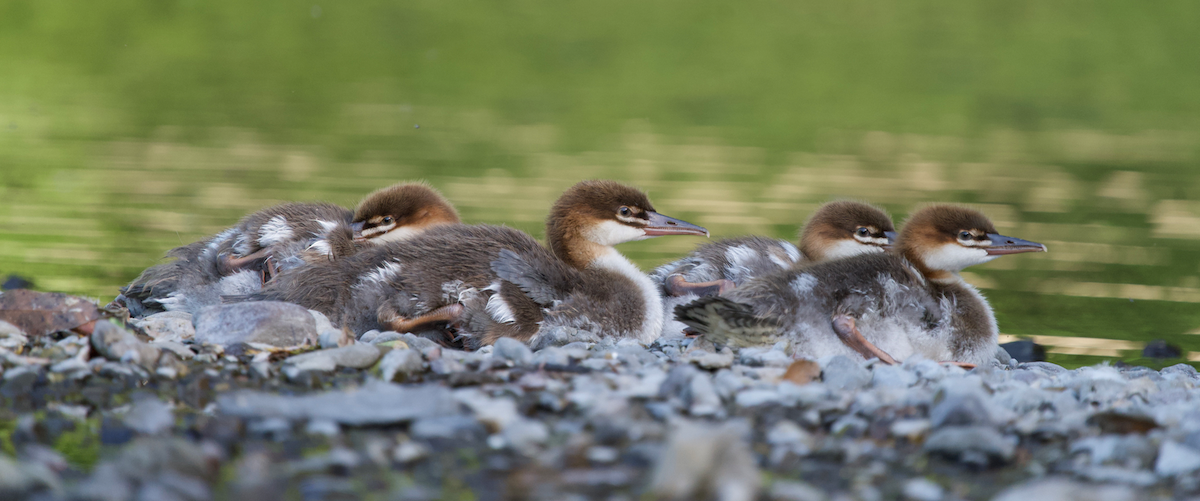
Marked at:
<point>375,402</point>
<point>1025,351</point>
<point>1161,350</point>
<point>14,282</point>
<point>268,322</point>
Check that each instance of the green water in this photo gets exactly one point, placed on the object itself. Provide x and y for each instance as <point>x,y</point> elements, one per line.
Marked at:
<point>129,127</point>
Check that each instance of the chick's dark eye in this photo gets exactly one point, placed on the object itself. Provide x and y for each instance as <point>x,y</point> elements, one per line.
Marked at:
<point>862,232</point>
<point>625,211</point>
<point>387,220</point>
<point>964,235</point>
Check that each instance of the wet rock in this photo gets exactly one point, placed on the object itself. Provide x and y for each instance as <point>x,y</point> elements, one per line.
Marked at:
<point>149,416</point>
<point>1175,458</point>
<point>1025,351</point>
<point>116,343</point>
<point>168,326</point>
<point>397,365</point>
<point>1161,350</point>
<point>1062,489</point>
<point>701,461</point>
<point>375,402</point>
<point>980,445</point>
<point>845,374</point>
<point>512,351</point>
<point>267,322</point>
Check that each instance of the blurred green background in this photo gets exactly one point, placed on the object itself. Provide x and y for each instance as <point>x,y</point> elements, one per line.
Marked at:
<point>128,127</point>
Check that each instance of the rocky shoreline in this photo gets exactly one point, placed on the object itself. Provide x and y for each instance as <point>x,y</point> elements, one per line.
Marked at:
<point>259,401</point>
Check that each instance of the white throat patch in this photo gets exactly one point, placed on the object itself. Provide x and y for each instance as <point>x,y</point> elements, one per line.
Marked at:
<point>397,234</point>
<point>610,233</point>
<point>954,257</point>
<point>652,321</point>
<point>850,248</point>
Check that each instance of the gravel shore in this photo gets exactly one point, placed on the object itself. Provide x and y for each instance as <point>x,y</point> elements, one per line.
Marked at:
<point>153,412</point>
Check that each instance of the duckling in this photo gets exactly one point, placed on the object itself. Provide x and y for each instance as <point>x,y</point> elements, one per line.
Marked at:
<point>238,260</point>
<point>484,282</point>
<point>890,306</point>
<point>837,229</point>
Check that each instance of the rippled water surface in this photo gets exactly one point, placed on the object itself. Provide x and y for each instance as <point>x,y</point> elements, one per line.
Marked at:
<point>168,125</point>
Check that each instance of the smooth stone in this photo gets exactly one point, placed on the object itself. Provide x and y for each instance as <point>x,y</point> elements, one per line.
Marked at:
<point>961,402</point>
<point>1063,489</point>
<point>168,326</point>
<point>355,356</point>
<point>512,351</point>
<point>368,336</point>
<point>526,435</point>
<point>9,329</point>
<point>1175,458</point>
<point>700,458</point>
<point>551,355</point>
<point>709,360</point>
<point>387,337</point>
<point>149,416</point>
<point>417,342</point>
<point>845,374</point>
<point>892,376</point>
<point>702,396</point>
<point>115,343</point>
<point>269,322</point>
<point>375,402</point>
<point>920,489</point>
<point>71,365</point>
<point>18,479</point>
<point>403,362</point>
<point>333,339</point>
<point>179,349</point>
<point>981,444</point>
<point>452,427</point>
<point>410,451</point>
<point>791,490</point>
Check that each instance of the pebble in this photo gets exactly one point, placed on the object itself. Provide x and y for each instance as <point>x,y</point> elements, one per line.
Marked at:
<point>355,356</point>
<point>709,360</point>
<point>1063,489</point>
<point>789,490</point>
<point>702,458</point>
<point>512,351</point>
<point>845,374</point>
<point>920,489</point>
<point>267,322</point>
<point>149,416</point>
<point>971,444</point>
<point>168,326</point>
<point>375,402</point>
<point>116,343</point>
<point>398,365</point>
<point>1176,459</point>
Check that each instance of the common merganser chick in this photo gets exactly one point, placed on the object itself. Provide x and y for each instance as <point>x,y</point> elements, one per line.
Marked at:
<point>492,281</point>
<point>238,260</point>
<point>891,306</point>
<point>836,230</point>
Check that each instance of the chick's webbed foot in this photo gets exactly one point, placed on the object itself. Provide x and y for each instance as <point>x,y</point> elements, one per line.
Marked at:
<point>847,330</point>
<point>679,286</point>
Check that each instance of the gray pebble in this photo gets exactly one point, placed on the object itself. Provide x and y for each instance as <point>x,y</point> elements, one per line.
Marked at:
<point>512,351</point>
<point>845,374</point>
<point>403,362</point>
